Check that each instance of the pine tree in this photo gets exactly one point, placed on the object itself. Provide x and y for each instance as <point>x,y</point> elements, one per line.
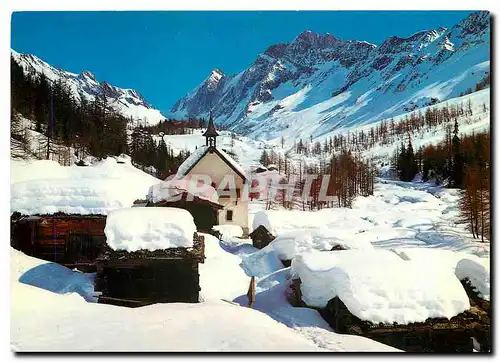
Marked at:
<point>264,158</point>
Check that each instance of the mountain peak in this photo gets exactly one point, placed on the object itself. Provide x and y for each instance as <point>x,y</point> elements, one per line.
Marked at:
<point>87,74</point>
<point>217,73</point>
<point>215,78</point>
<point>294,82</point>
<point>127,102</point>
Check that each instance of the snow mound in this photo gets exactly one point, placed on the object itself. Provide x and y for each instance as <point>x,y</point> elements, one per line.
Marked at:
<point>288,244</point>
<point>149,228</point>
<point>261,218</point>
<point>24,171</point>
<point>478,272</point>
<point>380,287</point>
<point>44,187</point>
<point>173,189</point>
<point>221,276</point>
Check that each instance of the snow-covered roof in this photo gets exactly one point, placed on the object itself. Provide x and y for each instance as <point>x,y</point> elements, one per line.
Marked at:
<point>95,189</point>
<point>478,273</point>
<point>172,189</point>
<point>443,257</point>
<point>198,154</point>
<point>463,264</point>
<point>380,287</point>
<point>261,218</point>
<point>192,160</point>
<point>150,228</point>
<point>68,196</point>
<point>235,164</point>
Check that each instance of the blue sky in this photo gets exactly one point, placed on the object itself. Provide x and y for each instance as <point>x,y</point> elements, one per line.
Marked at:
<point>163,55</point>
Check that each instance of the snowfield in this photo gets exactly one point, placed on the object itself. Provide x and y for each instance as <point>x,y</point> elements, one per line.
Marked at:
<point>398,215</point>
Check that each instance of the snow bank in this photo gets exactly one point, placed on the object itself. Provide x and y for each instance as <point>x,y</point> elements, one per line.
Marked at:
<point>50,276</point>
<point>261,218</point>
<point>288,244</point>
<point>68,196</point>
<point>324,239</point>
<point>149,228</point>
<point>221,276</point>
<point>171,190</point>
<point>261,263</point>
<point>42,187</point>
<point>478,272</point>
<point>24,171</point>
<point>379,286</point>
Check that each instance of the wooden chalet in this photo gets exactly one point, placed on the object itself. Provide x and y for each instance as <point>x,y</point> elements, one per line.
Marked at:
<point>69,239</point>
<point>142,277</point>
<point>434,335</point>
<point>62,220</point>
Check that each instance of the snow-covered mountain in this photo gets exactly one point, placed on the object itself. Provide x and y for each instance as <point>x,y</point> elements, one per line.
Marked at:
<point>319,83</point>
<point>127,102</point>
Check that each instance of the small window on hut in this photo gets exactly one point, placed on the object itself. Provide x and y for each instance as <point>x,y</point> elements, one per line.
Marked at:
<point>229,215</point>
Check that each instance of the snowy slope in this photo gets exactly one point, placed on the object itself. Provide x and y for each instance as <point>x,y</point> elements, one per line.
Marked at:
<point>247,150</point>
<point>318,83</point>
<point>127,102</point>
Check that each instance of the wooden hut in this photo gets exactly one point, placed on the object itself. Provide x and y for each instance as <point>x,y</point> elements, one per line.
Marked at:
<point>134,279</point>
<point>260,169</point>
<point>62,217</point>
<point>342,270</point>
<point>433,335</point>
<point>145,276</point>
<point>261,237</point>
<point>70,239</point>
